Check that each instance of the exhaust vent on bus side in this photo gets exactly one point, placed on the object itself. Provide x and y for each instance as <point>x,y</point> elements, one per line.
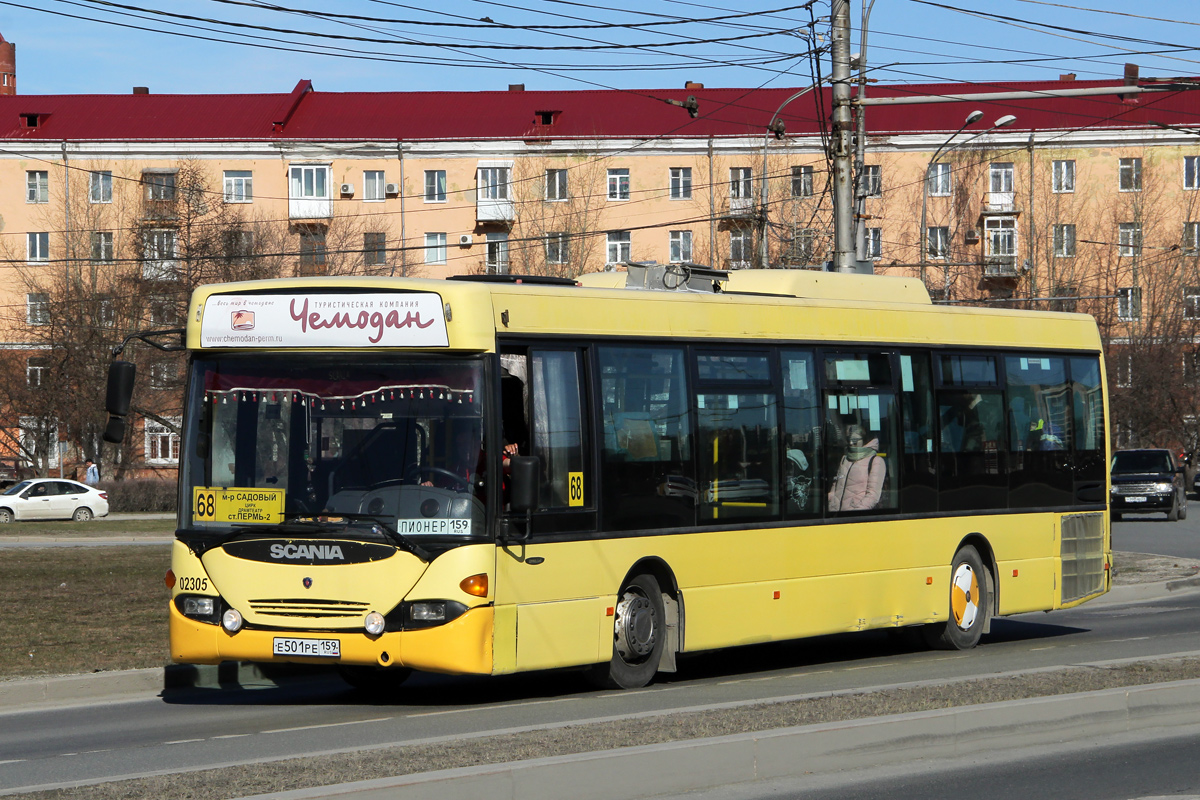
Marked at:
<point>1082,551</point>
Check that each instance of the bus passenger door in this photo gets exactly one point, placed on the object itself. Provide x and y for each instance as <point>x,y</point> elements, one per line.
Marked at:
<point>543,580</point>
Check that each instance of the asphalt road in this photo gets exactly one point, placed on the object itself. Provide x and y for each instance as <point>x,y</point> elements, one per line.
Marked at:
<point>215,728</point>
<point>1151,533</point>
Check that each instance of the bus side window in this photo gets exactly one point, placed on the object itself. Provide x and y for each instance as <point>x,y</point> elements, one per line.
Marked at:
<point>918,470</point>
<point>1088,402</point>
<point>648,479</point>
<point>861,432</point>
<point>802,474</point>
<point>1039,414</point>
<point>558,440</point>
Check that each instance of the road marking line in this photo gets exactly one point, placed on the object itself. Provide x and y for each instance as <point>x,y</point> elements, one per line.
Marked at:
<point>1035,649</point>
<point>327,725</point>
<point>12,761</point>
<point>231,735</point>
<point>178,741</point>
<point>1133,639</point>
<point>873,666</point>
<point>513,705</point>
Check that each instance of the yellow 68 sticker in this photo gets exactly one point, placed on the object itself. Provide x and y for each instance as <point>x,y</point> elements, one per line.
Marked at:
<point>574,489</point>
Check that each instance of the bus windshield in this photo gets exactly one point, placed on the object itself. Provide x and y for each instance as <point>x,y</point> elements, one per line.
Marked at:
<point>397,441</point>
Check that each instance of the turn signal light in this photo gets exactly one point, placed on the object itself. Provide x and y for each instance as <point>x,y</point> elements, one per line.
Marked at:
<point>169,579</point>
<point>475,585</point>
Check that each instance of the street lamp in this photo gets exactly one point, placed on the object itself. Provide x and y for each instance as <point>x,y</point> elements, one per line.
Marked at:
<point>777,127</point>
<point>971,119</point>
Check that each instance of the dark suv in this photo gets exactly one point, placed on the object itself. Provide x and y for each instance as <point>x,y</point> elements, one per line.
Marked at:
<point>1147,480</point>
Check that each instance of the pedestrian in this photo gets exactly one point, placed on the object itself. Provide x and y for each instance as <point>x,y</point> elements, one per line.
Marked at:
<point>92,476</point>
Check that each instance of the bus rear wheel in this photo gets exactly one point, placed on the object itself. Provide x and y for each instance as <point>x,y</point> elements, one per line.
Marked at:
<point>639,635</point>
<point>969,604</point>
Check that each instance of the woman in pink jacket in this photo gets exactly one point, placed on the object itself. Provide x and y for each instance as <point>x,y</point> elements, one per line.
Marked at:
<point>860,476</point>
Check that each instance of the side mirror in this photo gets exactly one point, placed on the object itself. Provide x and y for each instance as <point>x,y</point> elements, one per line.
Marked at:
<point>524,483</point>
<point>114,431</point>
<point>120,387</point>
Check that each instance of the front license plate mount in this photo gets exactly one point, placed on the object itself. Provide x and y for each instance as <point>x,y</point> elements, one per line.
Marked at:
<point>308,648</point>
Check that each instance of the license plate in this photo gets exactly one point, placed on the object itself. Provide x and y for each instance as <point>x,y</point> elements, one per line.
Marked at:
<point>1135,499</point>
<point>317,648</point>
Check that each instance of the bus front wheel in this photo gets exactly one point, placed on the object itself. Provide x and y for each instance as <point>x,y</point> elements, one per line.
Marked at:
<point>639,634</point>
<point>969,604</point>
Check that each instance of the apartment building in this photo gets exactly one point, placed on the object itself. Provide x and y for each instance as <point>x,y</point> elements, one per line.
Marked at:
<point>115,206</point>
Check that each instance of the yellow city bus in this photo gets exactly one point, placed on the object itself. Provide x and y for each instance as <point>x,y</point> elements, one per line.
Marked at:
<point>491,475</point>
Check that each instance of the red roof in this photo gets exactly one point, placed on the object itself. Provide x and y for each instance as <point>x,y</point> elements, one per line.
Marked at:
<point>311,115</point>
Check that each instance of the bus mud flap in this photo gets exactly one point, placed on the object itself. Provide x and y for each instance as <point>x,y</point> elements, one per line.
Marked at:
<point>671,609</point>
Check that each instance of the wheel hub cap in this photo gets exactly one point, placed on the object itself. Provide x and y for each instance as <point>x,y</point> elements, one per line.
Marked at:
<point>636,626</point>
<point>964,596</point>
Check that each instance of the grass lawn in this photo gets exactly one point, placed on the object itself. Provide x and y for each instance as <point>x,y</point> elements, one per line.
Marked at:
<point>69,610</point>
<point>96,527</point>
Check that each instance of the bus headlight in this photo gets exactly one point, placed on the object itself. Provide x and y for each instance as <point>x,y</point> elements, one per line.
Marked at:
<point>374,623</point>
<point>430,611</point>
<point>232,621</point>
<point>197,606</point>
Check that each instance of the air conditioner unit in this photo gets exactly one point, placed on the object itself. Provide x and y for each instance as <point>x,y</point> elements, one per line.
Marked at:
<point>465,240</point>
<point>347,188</point>
<point>391,188</point>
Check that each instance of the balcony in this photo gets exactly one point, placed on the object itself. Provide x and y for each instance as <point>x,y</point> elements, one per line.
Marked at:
<point>1002,267</point>
<point>740,207</point>
<point>302,208</point>
<point>999,203</point>
<point>494,209</point>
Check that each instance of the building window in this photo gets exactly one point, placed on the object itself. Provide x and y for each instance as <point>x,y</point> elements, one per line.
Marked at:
<point>1129,239</point>
<point>309,183</point>
<point>802,181</point>
<point>873,180</point>
<point>1062,176</point>
<point>37,246</point>
<point>239,186</point>
<point>556,248</point>
<point>1129,303</point>
<point>37,308</point>
<point>741,183</point>
<point>875,243</point>
<point>435,248</point>
<point>237,244</point>
<point>35,367</point>
<point>158,254</point>
<point>1130,175</point>
<point>163,374</point>
<point>374,249</point>
<point>100,187</point>
<point>373,185</point>
<point>556,185</point>
<point>681,246</point>
<point>1000,177</point>
<point>493,183</point>
<point>37,186</point>
<point>1001,236</point>
<point>741,248</point>
<point>497,253</point>
<point>620,247</point>
<point>162,445</point>
<point>435,186</point>
<point>937,180</point>
<point>937,241</point>
<point>1191,302</point>
<point>312,249</point>
<point>1066,297</point>
<point>39,438</point>
<point>618,184</point>
<point>1191,238</point>
<point>1191,172</point>
<point>681,183</point>
<point>102,247</point>
<point>160,186</point>
<point>800,249</point>
<point>1064,241</point>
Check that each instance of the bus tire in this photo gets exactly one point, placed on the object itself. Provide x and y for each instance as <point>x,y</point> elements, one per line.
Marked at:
<point>969,604</point>
<point>374,679</point>
<point>639,635</point>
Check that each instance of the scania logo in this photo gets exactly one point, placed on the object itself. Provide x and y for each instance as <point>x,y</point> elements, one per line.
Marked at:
<point>307,583</point>
<point>306,552</point>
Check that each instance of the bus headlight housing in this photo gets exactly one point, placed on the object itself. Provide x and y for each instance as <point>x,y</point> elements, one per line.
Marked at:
<point>374,623</point>
<point>232,620</point>
<point>199,607</point>
<point>428,611</point>
<point>417,614</point>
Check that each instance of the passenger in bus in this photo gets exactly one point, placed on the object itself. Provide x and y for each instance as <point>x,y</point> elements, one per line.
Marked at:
<point>858,484</point>
<point>464,459</point>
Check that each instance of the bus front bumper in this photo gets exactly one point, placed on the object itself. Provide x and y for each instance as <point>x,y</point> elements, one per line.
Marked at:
<point>460,647</point>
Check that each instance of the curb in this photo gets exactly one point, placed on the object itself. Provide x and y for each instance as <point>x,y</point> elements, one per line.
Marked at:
<point>791,753</point>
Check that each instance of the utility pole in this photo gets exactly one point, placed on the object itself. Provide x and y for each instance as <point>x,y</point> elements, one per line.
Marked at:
<point>860,145</point>
<point>843,127</point>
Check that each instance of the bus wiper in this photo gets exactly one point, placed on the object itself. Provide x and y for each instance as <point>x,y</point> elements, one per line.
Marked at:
<point>397,538</point>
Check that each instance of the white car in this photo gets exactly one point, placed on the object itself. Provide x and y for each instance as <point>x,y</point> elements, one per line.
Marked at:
<point>52,498</point>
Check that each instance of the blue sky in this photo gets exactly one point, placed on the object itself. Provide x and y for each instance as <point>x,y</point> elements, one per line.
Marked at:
<point>76,49</point>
